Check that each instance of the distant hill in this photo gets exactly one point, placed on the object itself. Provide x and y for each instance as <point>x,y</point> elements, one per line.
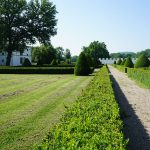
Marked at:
<point>122,54</point>
<point>132,54</point>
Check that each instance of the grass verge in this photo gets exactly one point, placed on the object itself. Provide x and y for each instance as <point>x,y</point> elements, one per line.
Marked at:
<point>31,104</point>
<point>140,75</point>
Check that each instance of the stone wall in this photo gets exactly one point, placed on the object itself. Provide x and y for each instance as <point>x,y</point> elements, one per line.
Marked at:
<point>111,60</point>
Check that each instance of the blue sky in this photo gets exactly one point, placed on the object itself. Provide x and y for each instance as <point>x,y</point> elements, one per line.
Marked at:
<point>124,25</point>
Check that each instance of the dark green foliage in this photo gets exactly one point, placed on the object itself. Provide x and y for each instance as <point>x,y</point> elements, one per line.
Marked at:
<point>74,58</point>
<point>92,123</point>
<point>54,62</point>
<point>36,70</point>
<point>142,61</point>
<point>114,62</point>
<point>23,23</point>
<point>60,54</point>
<point>97,50</point>
<point>145,52</point>
<point>90,60</point>
<point>122,55</point>
<point>43,54</point>
<point>68,61</point>
<point>58,65</point>
<point>119,61</point>
<point>123,62</point>
<point>129,63</point>
<point>26,63</point>
<point>67,54</point>
<point>82,67</point>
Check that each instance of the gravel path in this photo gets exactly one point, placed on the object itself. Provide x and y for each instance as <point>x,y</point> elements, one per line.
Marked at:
<point>134,103</point>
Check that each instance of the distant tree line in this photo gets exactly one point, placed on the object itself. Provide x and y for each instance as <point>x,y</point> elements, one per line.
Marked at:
<point>46,54</point>
<point>131,54</point>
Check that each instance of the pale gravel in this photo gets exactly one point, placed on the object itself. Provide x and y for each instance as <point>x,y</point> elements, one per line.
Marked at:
<point>134,103</point>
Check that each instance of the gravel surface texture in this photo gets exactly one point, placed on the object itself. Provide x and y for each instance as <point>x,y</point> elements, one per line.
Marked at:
<point>134,103</point>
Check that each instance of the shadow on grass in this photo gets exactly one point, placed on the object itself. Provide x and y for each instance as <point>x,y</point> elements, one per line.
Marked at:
<point>133,127</point>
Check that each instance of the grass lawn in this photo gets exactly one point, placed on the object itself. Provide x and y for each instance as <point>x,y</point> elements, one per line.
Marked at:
<point>31,104</point>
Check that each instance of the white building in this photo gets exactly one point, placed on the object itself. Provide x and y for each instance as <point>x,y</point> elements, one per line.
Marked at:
<point>17,57</point>
<point>111,60</point>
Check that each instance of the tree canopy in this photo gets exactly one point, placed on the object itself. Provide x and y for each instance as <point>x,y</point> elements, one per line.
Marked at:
<point>43,54</point>
<point>23,23</point>
<point>97,50</point>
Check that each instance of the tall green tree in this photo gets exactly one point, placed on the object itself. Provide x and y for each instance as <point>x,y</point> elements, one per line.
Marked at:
<point>23,23</point>
<point>68,56</point>
<point>97,50</point>
<point>60,54</point>
<point>43,54</point>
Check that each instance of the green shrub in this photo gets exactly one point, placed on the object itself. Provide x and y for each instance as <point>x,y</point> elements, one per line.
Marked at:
<point>26,63</point>
<point>91,123</point>
<point>59,65</point>
<point>119,61</point>
<point>54,62</point>
<point>82,67</point>
<point>36,70</point>
<point>129,63</point>
<point>123,62</point>
<point>114,62</point>
<point>142,61</point>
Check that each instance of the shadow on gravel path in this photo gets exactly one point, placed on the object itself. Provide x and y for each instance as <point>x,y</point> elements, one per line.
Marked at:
<point>134,130</point>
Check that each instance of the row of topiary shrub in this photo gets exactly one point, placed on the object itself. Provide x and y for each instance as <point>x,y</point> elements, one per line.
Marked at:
<point>141,62</point>
<point>36,70</point>
<point>92,122</point>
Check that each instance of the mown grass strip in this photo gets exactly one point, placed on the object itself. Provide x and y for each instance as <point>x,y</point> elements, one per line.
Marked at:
<point>25,118</point>
<point>93,122</point>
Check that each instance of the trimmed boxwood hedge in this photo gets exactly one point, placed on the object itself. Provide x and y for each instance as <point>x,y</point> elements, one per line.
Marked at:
<point>36,70</point>
<point>58,65</point>
<point>91,123</point>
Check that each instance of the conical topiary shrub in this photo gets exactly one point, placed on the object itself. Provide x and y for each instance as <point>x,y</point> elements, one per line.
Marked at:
<point>82,66</point>
<point>123,62</point>
<point>114,62</point>
<point>119,61</point>
<point>54,62</point>
<point>26,63</point>
<point>142,61</point>
<point>129,63</point>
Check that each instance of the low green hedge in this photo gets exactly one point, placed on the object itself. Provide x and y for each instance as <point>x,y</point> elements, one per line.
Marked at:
<point>59,65</point>
<point>93,121</point>
<point>36,70</point>
<point>140,75</point>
